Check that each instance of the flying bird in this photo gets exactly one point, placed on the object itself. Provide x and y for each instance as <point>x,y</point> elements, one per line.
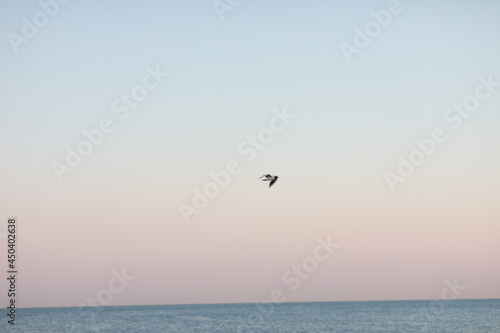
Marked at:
<point>269,178</point>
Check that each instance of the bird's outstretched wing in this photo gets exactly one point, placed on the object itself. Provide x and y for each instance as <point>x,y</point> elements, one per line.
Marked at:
<point>272,182</point>
<point>265,176</point>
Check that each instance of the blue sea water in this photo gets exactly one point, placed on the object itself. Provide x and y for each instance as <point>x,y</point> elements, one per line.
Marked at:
<point>457,316</point>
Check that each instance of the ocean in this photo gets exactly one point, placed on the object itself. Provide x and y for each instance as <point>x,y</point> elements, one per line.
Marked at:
<point>454,316</point>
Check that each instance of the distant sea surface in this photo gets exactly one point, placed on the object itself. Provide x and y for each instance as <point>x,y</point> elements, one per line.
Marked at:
<point>456,316</point>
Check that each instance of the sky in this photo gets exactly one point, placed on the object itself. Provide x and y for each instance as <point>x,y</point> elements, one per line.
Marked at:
<point>380,118</point>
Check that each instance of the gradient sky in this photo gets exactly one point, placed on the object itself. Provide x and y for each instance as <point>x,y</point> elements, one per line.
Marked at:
<point>120,208</point>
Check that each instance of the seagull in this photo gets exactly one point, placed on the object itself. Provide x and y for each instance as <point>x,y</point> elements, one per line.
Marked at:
<point>270,178</point>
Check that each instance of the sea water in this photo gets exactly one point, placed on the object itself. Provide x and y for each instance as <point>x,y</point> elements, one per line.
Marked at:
<point>454,316</point>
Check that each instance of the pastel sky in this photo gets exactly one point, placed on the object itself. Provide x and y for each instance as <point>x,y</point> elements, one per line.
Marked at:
<point>229,74</point>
